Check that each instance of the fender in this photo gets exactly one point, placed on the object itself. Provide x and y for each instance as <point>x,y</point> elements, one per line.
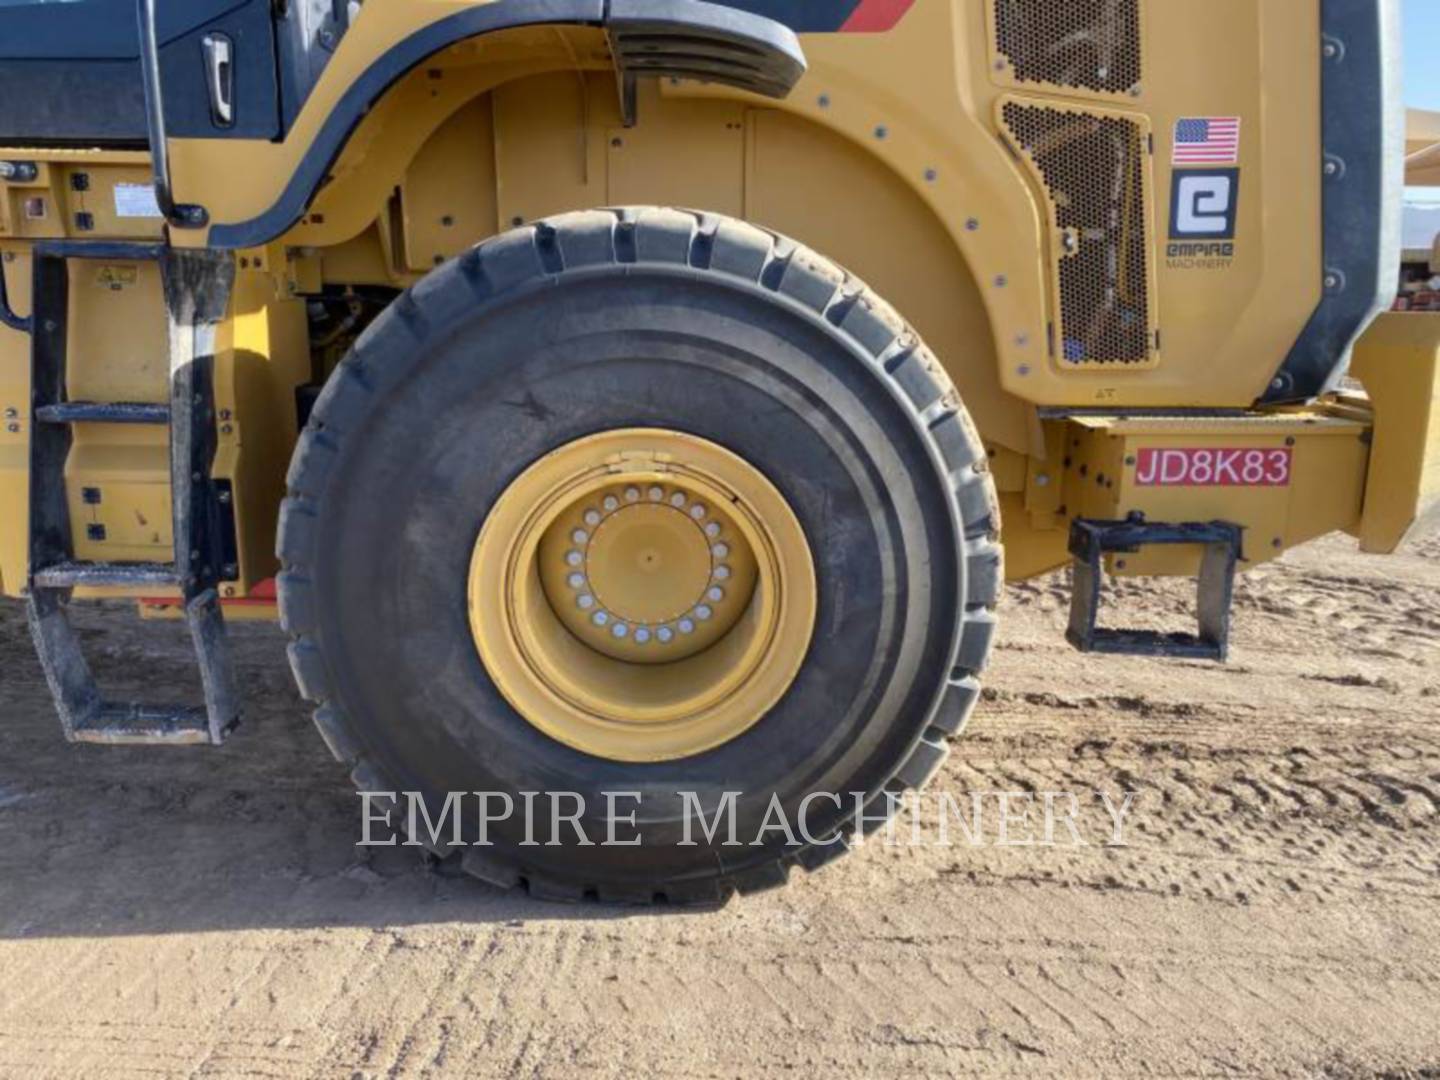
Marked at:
<point>681,38</point>
<point>829,16</point>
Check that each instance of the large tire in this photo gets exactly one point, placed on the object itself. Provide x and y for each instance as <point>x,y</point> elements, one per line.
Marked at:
<point>590,322</point>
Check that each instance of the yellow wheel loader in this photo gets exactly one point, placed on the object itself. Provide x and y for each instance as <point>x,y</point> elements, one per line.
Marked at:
<point>630,398</point>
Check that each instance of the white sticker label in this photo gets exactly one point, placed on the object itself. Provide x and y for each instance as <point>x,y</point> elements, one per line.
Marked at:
<point>1203,205</point>
<point>136,200</point>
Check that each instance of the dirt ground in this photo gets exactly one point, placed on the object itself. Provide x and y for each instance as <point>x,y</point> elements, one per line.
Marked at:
<point>1276,910</point>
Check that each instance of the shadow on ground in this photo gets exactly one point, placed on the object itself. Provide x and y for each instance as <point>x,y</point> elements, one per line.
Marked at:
<point>260,833</point>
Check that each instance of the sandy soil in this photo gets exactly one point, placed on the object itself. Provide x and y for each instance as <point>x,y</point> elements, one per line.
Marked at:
<point>204,912</point>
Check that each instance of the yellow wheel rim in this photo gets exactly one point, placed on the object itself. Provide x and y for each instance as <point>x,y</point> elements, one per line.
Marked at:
<point>642,595</point>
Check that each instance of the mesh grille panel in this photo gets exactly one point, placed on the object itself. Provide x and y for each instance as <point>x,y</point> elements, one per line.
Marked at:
<point>1094,169</point>
<point>1086,44</point>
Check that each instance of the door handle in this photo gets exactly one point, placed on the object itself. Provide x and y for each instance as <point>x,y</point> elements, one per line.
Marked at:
<point>220,78</point>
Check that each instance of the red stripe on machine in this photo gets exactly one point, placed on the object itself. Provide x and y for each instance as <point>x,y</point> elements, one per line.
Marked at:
<point>1213,467</point>
<point>876,16</point>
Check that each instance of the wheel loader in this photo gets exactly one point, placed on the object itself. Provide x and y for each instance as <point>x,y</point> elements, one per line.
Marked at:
<point>634,396</point>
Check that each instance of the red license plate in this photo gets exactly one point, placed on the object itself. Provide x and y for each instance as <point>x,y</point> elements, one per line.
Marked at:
<point>1213,467</point>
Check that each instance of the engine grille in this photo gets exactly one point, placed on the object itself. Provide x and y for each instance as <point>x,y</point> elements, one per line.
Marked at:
<point>1094,169</point>
<point>1082,44</point>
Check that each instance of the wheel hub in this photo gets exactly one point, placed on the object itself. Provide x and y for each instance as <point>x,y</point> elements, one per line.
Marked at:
<point>647,573</point>
<point>642,595</point>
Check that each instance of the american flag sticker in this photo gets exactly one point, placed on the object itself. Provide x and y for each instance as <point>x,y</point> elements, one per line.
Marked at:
<point>1207,140</point>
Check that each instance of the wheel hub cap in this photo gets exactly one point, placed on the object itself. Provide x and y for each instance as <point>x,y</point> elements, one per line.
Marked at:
<point>649,574</point>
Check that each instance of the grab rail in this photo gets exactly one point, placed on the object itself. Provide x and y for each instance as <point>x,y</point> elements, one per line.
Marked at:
<point>183,216</point>
<point>7,313</point>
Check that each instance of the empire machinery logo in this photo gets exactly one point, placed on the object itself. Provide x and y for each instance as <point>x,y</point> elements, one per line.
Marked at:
<point>736,819</point>
<point>1204,193</point>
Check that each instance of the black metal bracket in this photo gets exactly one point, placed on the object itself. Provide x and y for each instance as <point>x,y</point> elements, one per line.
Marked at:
<point>1091,541</point>
<point>7,313</point>
<point>19,172</point>
<point>182,216</point>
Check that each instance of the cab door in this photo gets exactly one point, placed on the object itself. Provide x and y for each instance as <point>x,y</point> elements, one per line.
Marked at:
<point>70,72</point>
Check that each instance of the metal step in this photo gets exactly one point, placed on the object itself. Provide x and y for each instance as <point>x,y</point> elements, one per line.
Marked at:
<point>121,725</point>
<point>102,412</point>
<point>69,575</point>
<point>104,250</point>
<point>1220,543</point>
<point>86,717</point>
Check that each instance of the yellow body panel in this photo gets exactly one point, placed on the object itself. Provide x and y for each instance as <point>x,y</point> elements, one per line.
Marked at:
<point>15,426</point>
<point>117,481</point>
<point>920,101</point>
<point>1324,493</point>
<point>1398,362</point>
<point>74,182</point>
<point>263,356</point>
